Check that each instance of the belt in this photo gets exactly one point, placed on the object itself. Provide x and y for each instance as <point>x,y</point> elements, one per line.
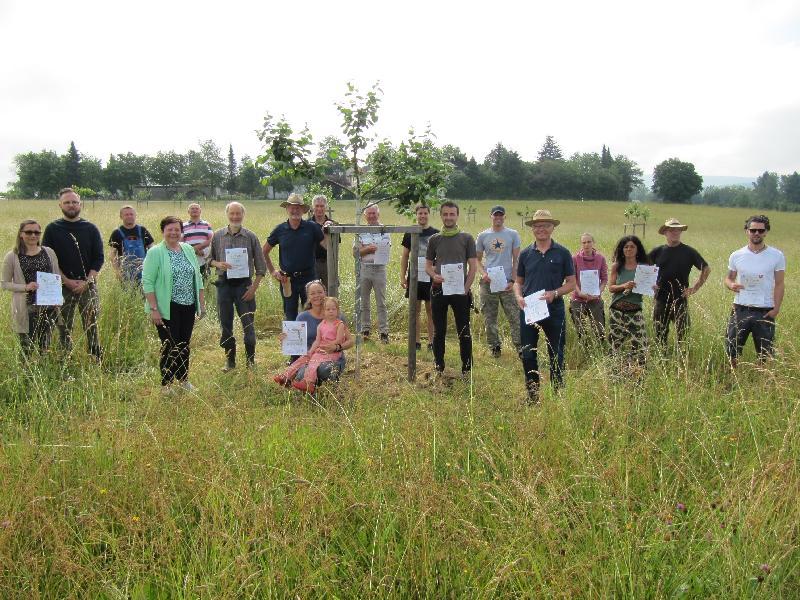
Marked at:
<point>297,274</point>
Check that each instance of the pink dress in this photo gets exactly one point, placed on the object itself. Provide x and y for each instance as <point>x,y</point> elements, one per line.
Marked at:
<point>327,334</point>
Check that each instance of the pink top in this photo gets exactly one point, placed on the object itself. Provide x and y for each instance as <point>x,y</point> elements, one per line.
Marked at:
<point>595,262</point>
<point>327,334</point>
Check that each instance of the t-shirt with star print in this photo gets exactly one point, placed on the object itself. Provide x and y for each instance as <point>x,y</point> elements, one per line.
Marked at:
<point>497,248</point>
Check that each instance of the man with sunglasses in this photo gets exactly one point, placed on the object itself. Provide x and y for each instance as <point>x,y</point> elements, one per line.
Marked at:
<point>756,276</point>
<point>79,248</point>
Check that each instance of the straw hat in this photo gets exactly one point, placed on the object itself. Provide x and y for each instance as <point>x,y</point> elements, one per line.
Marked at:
<point>542,216</point>
<point>672,223</point>
<point>295,200</point>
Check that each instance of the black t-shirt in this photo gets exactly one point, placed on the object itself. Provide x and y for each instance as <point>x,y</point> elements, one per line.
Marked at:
<point>320,252</point>
<point>424,238</point>
<point>115,241</point>
<point>674,265</point>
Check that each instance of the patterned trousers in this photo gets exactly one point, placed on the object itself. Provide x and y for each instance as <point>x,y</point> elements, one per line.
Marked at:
<point>628,335</point>
<point>490,308</point>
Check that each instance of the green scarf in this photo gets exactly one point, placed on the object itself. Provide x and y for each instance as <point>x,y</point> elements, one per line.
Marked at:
<point>450,232</point>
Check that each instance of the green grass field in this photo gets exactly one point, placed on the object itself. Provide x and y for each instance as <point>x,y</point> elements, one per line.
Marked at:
<point>682,485</point>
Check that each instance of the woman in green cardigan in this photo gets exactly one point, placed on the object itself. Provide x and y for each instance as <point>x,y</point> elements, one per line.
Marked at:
<point>173,288</point>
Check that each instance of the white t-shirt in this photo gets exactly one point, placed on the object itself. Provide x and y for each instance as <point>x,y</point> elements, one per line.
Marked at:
<point>756,271</point>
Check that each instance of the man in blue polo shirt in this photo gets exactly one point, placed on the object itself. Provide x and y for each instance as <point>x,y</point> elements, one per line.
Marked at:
<point>544,265</point>
<point>298,240</point>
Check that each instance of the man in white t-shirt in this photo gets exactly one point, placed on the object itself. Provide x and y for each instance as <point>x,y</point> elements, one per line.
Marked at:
<point>756,276</point>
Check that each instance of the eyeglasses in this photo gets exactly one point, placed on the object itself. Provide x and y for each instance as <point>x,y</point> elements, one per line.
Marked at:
<point>31,232</point>
<point>756,230</point>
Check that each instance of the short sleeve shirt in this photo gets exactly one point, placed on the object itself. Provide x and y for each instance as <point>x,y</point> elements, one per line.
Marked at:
<point>498,248</point>
<point>115,241</point>
<point>756,270</point>
<point>674,265</point>
<point>446,250</point>
<point>544,271</point>
<point>297,247</point>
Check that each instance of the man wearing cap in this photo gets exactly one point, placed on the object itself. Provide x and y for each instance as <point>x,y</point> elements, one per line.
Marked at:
<point>675,261</point>
<point>756,276</point>
<point>373,274</point>
<point>544,265</point>
<point>456,249</point>
<point>298,240</point>
<point>236,290</point>
<point>498,246</point>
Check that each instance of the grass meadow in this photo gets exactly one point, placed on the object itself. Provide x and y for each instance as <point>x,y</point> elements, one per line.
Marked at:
<point>684,484</point>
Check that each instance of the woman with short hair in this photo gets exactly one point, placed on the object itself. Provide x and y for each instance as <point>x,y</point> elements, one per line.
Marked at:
<point>173,287</point>
<point>627,331</point>
<point>34,324</point>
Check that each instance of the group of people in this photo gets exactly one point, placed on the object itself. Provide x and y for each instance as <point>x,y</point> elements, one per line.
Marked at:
<point>172,276</point>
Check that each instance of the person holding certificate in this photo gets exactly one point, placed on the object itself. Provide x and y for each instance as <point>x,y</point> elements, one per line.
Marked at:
<point>173,289</point>
<point>236,254</point>
<point>544,266</point>
<point>591,277</point>
<point>451,254</point>
<point>756,276</point>
<point>422,213</point>
<point>374,251</point>
<point>33,321</point>
<point>498,251</point>
<point>627,331</point>
<point>312,316</point>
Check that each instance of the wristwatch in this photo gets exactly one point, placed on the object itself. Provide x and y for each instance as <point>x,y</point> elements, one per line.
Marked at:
<point>555,294</point>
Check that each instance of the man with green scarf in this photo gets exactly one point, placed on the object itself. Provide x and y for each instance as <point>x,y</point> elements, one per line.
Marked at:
<point>454,250</point>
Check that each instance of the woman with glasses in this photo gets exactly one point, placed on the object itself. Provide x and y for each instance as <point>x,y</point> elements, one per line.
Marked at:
<point>32,322</point>
<point>312,316</point>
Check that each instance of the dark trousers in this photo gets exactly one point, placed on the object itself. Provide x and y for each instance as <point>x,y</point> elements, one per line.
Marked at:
<point>664,312</point>
<point>88,304</point>
<point>229,297</point>
<point>175,334</point>
<point>745,320</point>
<point>40,331</point>
<point>292,304</point>
<point>554,328</point>
<point>461,305</point>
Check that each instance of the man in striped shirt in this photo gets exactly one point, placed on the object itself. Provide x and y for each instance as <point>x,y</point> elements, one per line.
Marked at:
<point>198,234</point>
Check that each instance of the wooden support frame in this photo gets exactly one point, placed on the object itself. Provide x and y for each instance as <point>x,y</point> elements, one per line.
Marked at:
<point>336,232</point>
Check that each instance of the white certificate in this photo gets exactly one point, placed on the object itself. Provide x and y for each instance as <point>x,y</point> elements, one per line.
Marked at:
<point>49,292</point>
<point>296,341</point>
<point>381,256</point>
<point>536,308</point>
<point>644,280</point>
<point>590,282</point>
<point>453,284</point>
<point>422,274</point>
<point>497,279</point>
<point>237,258</point>
<point>753,293</point>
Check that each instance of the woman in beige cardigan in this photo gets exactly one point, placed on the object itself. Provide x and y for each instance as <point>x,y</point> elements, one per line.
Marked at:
<point>33,323</point>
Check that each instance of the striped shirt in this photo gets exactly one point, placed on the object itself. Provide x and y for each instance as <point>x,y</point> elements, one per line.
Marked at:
<point>197,233</point>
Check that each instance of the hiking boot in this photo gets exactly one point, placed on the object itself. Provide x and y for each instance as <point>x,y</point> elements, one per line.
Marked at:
<point>230,363</point>
<point>496,352</point>
<point>188,386</point>
<point>384,338</point>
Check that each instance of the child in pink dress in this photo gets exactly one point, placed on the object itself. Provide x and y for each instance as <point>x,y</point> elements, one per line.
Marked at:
<point>330,330</point>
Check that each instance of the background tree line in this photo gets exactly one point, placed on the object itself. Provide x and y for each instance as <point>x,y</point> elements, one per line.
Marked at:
<point>770,191</point>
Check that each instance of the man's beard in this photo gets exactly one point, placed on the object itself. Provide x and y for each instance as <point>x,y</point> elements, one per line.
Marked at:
<point>71,213</point>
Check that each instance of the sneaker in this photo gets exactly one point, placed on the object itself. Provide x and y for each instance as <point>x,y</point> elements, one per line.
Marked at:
<point>496,352</point>
<point>230,365</point>
<point>304,386</point>
<point>188,386</point>
<point>384,338</point>
<point>167,390</point>
<point>281,379</point>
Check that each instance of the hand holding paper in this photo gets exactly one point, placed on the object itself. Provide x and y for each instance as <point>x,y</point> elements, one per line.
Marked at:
<point>49,291</point>
<point>536,308</point>
<point>645,280</point>
<point>295,341</point>
<point>497,279</point>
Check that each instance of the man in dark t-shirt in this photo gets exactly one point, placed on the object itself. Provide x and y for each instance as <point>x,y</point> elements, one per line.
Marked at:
<point>423,280</point>
<point>675,261</point>
<point>129,243</point>
<point>544,265</point>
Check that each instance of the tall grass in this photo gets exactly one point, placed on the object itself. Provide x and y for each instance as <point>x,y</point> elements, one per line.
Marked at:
<point>683,483</point>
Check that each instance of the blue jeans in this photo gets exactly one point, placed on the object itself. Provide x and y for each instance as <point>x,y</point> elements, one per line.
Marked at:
<point>329,371</point>
<point>298,298</point>
<point>555,330</point>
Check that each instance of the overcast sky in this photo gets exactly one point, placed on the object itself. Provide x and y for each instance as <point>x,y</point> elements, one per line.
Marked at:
<point>711,82</point>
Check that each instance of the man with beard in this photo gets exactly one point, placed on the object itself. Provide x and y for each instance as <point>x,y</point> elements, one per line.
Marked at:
<point>79,248</point>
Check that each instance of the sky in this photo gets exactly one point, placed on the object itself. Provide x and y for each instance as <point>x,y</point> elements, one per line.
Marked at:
<point>711,82</point>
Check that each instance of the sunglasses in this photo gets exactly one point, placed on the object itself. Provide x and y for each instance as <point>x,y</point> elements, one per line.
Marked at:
<point>31,232</point>
<point>756,230</point>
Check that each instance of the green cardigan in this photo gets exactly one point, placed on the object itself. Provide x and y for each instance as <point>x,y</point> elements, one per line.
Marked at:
<point>157,276</point>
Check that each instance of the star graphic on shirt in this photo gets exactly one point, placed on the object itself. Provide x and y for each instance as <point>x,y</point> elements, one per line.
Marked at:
<point>498,245</point>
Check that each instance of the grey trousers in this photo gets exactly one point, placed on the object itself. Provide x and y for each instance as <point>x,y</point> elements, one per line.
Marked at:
<point>373,277</point>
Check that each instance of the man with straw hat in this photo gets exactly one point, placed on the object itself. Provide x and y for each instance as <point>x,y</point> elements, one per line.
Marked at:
<point>298,239</point>
<point>544,265</point>
<point>675,261</point>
